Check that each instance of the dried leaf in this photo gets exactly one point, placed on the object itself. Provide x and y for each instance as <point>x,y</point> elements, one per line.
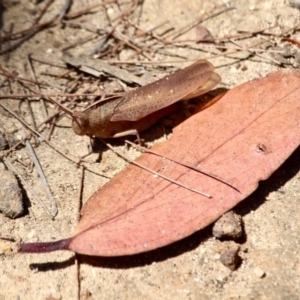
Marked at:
<point>203,34</point>
<point>243,138</point>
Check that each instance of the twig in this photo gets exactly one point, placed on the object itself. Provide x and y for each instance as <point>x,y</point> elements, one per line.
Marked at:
<point>153,172</point>
<point>37,85</point>
<point>77,258</point>
<point>16,77</point>
<point>78,42</point>
<point>31,32</point>
<point>42,12</point>
<point>65,8</point>
<point>211,14</point>
<point>259,55</point>
<point>143,149</point>
<point>44,180</point>
<point>48,62</point>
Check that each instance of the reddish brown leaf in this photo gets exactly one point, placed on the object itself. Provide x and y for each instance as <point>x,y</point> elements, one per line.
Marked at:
<point>243,138</point>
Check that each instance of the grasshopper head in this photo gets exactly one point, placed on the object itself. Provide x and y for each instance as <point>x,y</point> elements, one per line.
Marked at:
<point>80,123</point>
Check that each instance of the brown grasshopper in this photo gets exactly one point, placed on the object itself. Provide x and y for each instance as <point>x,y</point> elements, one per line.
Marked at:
<point>135,111</point>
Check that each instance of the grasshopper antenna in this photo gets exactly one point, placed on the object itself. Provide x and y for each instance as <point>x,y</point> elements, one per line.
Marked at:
<point>63,108</point>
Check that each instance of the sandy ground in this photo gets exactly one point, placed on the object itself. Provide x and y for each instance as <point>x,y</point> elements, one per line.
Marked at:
<point>190,268</point>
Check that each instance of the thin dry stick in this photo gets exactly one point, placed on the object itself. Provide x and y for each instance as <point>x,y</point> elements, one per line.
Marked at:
<point>80,41</point>
<point>246,34</point>
<point>32,117</point>
<point>72,15</point>
<point>100,44</point>
<point>31,32</point>
<point>7,238</point>
<point>143,149</point>
<point>77,268</point>
<point>153,172</point>
<point>125,39</point>
<point>122,38</point>
<point>65,8</point>
<point>259,55</point>
<point>77,258</point>
<point>292,41</point>
<point>16,77</point>
<point>237,48</point>
<point>19,119</point>
<point>188,43</point>
<point>86,9</point>
<point>234,50</point>
<point>52,124</point>
<point>44,180</point>
<point>37,85</point>
<point>71,86</point>
<point>42,12</point>
<point>48,62</point>
<point>31,113</point>
<point>15,171</point>
<point>211,14</point>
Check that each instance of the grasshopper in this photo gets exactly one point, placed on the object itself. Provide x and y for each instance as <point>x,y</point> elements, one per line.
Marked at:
<point>136,110</point>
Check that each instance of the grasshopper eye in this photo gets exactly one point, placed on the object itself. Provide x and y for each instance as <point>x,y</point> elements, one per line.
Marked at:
<point>80,123</point>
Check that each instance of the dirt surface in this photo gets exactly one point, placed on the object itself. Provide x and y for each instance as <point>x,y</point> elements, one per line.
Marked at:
<point>190,268</point>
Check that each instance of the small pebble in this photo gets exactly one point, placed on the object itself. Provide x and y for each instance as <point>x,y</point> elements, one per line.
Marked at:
<point>230,258</point>
<point>228,226</point>
<point>259,272</point>
<point>11,198</point>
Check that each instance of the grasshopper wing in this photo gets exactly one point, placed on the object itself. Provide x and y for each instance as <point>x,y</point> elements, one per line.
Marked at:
<point>184,84</point>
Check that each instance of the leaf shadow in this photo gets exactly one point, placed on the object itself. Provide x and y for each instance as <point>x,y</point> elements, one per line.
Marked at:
<point>52,266</point>
<point>283,174</point>
<point>143,259</point>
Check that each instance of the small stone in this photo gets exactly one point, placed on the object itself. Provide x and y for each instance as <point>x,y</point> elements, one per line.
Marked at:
<point>260,273</point>
<point>228,226</point>
<point>230,258</point>
<point>11,198</point>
